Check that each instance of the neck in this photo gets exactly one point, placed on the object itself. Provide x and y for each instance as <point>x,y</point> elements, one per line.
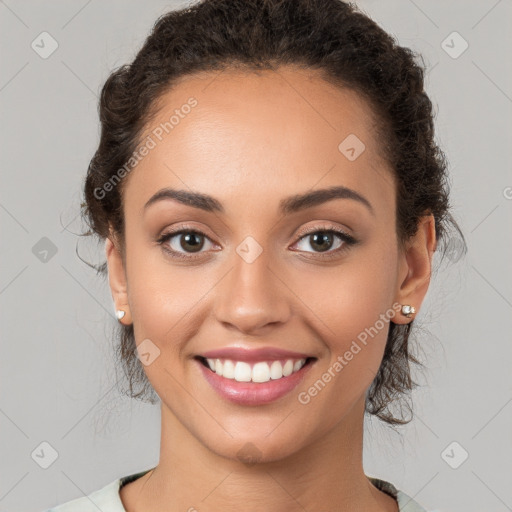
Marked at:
<point>325,475</point>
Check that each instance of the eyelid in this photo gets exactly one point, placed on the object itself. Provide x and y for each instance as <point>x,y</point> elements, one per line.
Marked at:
<point>180,227</point>
<point>301,233</point>
<point>347,239</point>
<point>167,235</point>
<point>324,227</point>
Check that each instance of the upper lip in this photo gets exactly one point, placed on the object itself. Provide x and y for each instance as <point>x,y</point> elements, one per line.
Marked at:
<point>254,354</point>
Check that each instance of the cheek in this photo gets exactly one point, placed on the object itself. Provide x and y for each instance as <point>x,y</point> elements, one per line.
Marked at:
<point>341,303</point>
<point>161,296</point>
<point>162,307</point>
<point>353,306</point>
<point>351,296</point>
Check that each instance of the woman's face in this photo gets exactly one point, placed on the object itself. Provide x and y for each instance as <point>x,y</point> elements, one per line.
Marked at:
<point>261,274</point>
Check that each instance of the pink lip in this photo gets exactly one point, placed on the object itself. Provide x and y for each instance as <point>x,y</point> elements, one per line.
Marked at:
<point>253,393</point>
<point>255,354</point>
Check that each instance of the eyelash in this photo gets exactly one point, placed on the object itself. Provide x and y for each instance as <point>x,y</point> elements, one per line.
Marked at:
<point>345,237</point>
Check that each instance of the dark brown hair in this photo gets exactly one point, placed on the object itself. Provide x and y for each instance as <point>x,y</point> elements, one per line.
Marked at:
<point>350,50</point>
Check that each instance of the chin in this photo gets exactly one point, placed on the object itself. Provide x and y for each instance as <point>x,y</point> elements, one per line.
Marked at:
<point>253,449</point>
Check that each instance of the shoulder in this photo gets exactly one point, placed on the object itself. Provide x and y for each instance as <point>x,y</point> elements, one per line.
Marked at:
<point>405,502</point>
<point>106,499</point>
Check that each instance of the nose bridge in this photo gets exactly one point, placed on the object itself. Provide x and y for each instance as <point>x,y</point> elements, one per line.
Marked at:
<point>251,296</point>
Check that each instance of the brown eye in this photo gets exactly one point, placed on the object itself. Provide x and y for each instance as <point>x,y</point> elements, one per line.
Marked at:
<point>326,242</point>
<point>183,242</point>
<point>191,241</point>
<point>321,240</point>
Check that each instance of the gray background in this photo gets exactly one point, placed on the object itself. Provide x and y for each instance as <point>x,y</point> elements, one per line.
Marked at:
<point>57,374</point>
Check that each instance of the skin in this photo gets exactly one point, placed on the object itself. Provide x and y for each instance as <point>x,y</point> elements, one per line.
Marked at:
<point>253,140</point>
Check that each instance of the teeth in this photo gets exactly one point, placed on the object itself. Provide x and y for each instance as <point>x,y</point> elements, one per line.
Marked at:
<point>288,368</point>
<point>260,372</point>
<point>297,366</point>
<point>242,371</point>
<point>228,369</point>
<point>276,370</point>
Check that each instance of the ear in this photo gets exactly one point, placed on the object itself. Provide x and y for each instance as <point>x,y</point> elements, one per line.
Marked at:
<point>117,279</point>
<point>415,267</point>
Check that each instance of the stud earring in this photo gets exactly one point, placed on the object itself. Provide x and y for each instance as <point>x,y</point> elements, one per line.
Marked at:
<point>408,310</point>
<point>120,313</point>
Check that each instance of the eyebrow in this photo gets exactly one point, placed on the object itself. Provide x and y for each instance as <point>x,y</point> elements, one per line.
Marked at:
<point>287,206</point>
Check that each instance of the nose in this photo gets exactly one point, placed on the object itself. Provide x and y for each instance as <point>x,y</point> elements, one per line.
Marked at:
<point>252,296</point>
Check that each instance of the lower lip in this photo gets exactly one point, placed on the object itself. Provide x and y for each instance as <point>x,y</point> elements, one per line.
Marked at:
<point>253,393</point>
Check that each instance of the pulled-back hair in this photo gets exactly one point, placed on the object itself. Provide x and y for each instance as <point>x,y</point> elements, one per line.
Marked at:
<point>350,50</point>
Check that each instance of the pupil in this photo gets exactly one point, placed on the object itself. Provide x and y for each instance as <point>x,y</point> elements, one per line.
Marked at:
<point>192,240</point>
<point>323,237</point>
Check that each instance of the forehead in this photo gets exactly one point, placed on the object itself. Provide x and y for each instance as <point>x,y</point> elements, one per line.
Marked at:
<point>267,132</point>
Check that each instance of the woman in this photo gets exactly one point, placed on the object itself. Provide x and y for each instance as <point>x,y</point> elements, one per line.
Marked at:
<point>271,197</point>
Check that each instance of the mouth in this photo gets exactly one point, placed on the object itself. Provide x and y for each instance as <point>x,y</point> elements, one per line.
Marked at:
<point>253,383</point>
<point>257,372</point>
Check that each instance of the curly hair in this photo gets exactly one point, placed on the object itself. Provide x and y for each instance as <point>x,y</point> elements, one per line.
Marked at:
<point>350,50</point>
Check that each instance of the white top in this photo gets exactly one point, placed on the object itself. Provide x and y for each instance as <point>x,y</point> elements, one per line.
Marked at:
<point>107,499</point>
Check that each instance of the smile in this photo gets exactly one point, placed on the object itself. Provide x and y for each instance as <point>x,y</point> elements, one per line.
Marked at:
<point>255,382</point>
<point>261,371</point>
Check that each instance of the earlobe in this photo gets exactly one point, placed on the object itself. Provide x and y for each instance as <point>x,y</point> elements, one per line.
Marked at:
<point>117,282</point>
<point>416,269</point>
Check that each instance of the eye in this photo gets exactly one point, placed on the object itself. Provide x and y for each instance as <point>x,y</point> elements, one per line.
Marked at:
<point>188,242</point>
<point>184,239</point>
<point>323,239</point>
